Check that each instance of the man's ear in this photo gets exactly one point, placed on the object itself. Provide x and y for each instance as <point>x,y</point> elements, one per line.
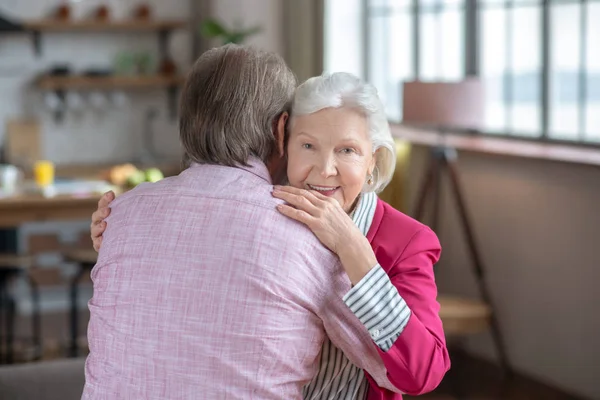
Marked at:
<point>280,133</point>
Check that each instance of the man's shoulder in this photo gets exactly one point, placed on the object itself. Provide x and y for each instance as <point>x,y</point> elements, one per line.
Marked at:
<point>165,186</point>
<point>256,200</point>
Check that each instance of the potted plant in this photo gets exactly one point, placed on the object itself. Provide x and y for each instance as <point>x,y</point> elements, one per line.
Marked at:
<point>213,29</point>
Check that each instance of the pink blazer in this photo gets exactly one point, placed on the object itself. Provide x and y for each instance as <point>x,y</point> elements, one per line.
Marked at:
<point>407,251</point>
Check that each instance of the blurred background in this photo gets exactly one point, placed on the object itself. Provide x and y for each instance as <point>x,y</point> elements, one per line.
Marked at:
<point>505,97</point>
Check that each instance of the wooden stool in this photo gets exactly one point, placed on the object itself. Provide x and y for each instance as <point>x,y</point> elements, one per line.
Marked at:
<point>12,266</point>
<point>85,260</point>
<point>462,316</point>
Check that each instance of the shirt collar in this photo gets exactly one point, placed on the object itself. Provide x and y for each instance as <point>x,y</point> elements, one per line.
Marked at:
<point>255,166</point>
<point>364,212</point>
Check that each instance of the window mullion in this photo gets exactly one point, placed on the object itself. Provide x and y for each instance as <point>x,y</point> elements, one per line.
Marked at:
<point>508,68</point>
<point>416,39</point>
<point>545,75</point>
<point>366,34</point>
<point>583,77</point>
<point>472,34</point>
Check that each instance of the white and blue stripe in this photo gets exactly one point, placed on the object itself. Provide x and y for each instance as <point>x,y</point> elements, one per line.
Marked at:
<point>378,305</point>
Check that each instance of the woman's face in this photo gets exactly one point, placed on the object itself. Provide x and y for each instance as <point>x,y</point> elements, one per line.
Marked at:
<point>330,151</point>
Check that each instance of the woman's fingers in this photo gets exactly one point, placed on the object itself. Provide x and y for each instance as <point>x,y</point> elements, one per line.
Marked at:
<point>294,213</point>
<point>321,197</point>
<point>98,229</point>
<point>96,234</point>
<point>97,243</point>
<point>100,215</point>
<point>106,199</point>
<point>308,194</point>
<point>98,226</point>
<point>299,200</point>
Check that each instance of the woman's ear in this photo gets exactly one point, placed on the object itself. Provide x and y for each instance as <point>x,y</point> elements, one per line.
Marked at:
<point>280,133</point>
<point>373,161</point>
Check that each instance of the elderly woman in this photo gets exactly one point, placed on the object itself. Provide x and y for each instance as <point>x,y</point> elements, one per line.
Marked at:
<point>340,153</point>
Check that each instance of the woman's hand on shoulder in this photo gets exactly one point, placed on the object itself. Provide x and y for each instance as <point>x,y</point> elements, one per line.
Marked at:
<point>98,226</point>
<point>332,226</point>
<point>321,214</point>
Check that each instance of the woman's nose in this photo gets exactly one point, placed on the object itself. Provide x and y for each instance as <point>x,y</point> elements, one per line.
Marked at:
<point>328,167</point>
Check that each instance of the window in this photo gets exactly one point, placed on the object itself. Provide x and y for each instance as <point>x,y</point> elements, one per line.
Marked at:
<point>540,59</point>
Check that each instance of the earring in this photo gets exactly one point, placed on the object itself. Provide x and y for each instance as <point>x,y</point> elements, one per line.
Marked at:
<point>370,180</point>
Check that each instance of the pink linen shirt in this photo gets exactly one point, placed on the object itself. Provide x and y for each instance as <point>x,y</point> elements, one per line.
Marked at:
<point>203,290</point>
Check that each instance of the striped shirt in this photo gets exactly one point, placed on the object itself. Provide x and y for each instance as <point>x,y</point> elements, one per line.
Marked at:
<point>378,305</point>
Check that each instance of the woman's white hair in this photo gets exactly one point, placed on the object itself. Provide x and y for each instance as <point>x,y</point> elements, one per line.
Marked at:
<point>341,89</point>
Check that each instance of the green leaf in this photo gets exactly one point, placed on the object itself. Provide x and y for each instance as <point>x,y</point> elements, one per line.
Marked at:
<point>212,28</point>
<point>235,37</point>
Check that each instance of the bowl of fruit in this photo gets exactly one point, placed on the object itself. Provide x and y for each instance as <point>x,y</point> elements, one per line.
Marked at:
<point>129,176</point>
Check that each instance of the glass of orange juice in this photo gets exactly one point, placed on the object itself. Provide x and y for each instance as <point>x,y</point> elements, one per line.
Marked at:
<point>43,172</point>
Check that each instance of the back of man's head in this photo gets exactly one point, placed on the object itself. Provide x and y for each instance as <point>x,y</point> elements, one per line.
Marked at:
<point>230,104</point>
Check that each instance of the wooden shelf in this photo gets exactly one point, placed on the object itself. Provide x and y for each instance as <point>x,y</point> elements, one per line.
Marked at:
<point>487,144</point>
<point>107,82</point>
<point>50,25</point>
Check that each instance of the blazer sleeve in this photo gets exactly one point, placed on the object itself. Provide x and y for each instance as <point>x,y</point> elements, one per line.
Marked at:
<point>418,359</point>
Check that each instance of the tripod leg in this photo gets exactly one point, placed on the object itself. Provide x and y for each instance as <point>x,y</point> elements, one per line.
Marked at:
<point>431,176</point>
<point>450,159</point>
<point>437,195</point>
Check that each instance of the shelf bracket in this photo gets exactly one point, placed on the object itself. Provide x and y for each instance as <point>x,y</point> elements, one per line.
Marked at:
<point>172,92</point>
<point>59,114</point>
<point>36,37</point>
<point>163,43</point>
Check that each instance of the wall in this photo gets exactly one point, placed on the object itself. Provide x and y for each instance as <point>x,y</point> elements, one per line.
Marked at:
<point>111,134</point>
<point>251,13</point>
<point>537,225</point>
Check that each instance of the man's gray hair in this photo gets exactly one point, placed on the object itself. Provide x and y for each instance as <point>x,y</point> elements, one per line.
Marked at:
<point>342,89</point>
<point>230,105</point>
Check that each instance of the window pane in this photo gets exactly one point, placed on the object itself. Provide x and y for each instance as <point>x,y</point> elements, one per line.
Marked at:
<point>452,45</point>
<point>440,5</point>
<point>343,26</point>
<point>442,45</point>
<point>429,31</point>
<point>501,3</point>
<point>390,4</point>
<point>564,71</point>
<point>592,114</point>
<point>525,63</point>
<point>493,66</point>
<point>391,59</point>
<point>484,3</point>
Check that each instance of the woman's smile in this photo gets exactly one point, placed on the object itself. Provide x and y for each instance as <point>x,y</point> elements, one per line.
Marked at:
<point>324,190</point>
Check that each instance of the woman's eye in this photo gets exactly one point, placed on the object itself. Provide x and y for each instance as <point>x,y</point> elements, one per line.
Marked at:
<point>307,146</point>
<point>348,150</point>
